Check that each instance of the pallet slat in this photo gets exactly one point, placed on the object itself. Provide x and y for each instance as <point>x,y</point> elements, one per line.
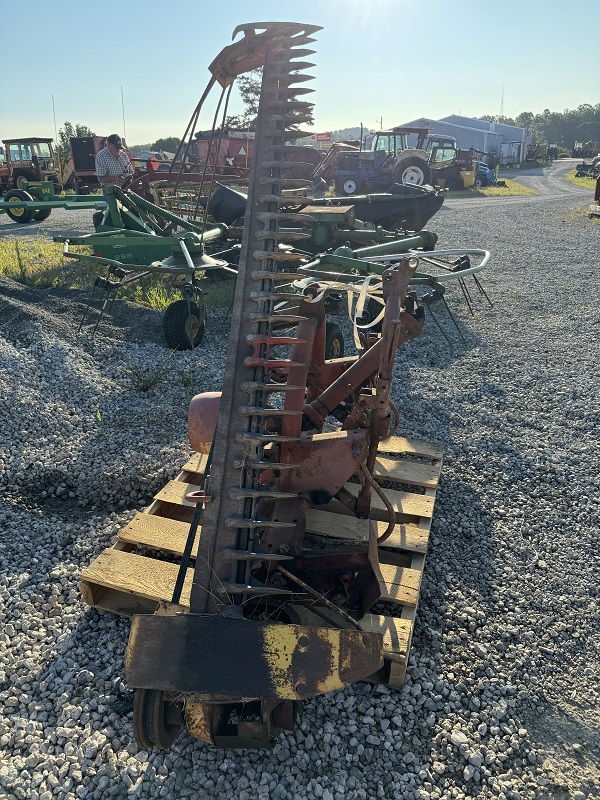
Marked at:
<point>349,528</point>
<point>400,584</point>
<point>158,533</point>
<point>396,634</point>
<point>144,577</point>
<point>406,505</point>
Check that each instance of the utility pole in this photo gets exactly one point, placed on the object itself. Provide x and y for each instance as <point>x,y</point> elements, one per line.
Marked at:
<point>502,103</point>
<point>60,158</point>
<point>123,109</point>
<point>380,121</point>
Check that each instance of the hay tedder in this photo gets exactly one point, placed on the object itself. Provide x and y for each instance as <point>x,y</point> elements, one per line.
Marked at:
<point>301,510</point>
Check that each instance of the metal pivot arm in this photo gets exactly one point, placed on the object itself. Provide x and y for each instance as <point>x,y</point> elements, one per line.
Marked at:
<point>402,327</point>
<point>395,287</point>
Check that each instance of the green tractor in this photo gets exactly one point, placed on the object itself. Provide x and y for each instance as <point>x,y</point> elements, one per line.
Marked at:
<point>28,160</point>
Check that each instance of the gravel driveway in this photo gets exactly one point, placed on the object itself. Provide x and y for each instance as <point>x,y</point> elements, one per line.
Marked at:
<point>502,698</point>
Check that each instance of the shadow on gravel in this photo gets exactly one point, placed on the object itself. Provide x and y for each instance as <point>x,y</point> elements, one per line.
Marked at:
<point>59,311</point>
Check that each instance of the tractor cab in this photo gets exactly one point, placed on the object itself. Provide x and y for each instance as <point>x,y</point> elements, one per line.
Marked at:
<point>28,160</point>
<point>389,142</point>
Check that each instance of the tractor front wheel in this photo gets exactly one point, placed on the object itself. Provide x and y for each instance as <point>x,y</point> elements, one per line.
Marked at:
<point>412,172</point>
<point>347,187</point>
<point>183,323</point>
<point>21,215</point>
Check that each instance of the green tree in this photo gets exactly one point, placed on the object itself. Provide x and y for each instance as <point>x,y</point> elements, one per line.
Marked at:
<point>249,89</point>
<point>67,132</point>
<point>169,144</point>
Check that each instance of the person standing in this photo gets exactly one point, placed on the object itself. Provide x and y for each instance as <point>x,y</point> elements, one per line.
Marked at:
<point>113,166</point>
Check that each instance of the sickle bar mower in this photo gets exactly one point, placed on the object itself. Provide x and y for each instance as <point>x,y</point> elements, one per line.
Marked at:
<point>272,613</point>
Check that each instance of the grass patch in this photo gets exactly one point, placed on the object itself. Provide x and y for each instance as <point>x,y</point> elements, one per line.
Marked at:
<point>513,188</point>
<point>586,183</point>
<point>36,262</point>
<point>580,213</point>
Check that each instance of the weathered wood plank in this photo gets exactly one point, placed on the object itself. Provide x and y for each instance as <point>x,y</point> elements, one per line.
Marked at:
<point>344,526</point>
<point>407,506</point>
<point>197,463</point>
<point>413,447</point>
<point>396,634</point>
<point>136,575</point>
<point>175,492</point>
<point>400,584</point>
<point>159,533</point>
<point>397,674</point>
<point>401,470</point>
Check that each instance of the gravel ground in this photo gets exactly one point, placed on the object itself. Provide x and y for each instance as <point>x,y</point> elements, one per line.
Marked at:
<point>502,696</point>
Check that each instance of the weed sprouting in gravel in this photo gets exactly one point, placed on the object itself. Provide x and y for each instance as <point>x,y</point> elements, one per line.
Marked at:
<point>142,379</point>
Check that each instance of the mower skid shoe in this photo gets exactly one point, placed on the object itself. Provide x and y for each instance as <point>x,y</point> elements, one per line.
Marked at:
<point>218,658</point>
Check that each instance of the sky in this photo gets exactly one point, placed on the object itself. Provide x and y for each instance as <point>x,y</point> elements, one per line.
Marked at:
<point>378,62</point>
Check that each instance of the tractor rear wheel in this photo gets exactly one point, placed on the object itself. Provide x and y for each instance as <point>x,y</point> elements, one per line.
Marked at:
<point>21,215</point>
<point>412,171</point>
<point>21,177</point>
<point>183,324</point>
<point>334,341</point>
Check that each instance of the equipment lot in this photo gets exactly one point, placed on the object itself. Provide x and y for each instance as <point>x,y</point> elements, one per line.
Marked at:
<point>502,697</point>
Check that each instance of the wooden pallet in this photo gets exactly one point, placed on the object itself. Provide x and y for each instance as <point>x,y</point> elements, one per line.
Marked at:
<point>125,582</point>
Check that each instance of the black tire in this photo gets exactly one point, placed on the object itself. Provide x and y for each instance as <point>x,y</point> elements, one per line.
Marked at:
<point>371,311</point>
<point>183,324</point>
<point>97,217</point>
<point>83,188</point>
<point>347,187</point>
<point>41,214</point>
<point>454,183</point>
<point>20,215</point>
<point>334,341</point>
<point>154,723</point>
<point>412,171</point>
<point>479,183</point>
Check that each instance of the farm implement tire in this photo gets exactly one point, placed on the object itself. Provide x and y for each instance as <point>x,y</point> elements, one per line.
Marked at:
<point>21,215</point>
<point>156,720</point>
<point>41,214</point>
<point>412,172</point>
<point>97,218</point>
<point>334,341</point>
<point>454,183</point>
<point>183,324</point>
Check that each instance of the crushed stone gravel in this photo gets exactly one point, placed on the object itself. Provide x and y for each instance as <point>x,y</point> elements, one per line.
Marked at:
<point>502,697</point>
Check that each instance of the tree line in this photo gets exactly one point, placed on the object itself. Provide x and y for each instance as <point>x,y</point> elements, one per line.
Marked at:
<point>564,128</point>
